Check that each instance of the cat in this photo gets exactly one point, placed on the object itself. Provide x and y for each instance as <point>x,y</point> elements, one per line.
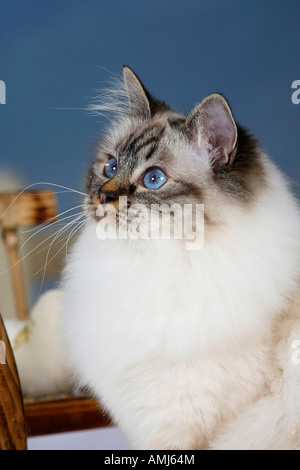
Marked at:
<point>187,349</point>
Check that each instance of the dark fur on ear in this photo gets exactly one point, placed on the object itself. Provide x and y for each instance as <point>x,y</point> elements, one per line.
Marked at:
<point>211,125</point>
<point>247,167</point>
<point>236,160</point>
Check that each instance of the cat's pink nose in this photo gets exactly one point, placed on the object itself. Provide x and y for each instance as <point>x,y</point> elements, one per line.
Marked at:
<point>107,196</point>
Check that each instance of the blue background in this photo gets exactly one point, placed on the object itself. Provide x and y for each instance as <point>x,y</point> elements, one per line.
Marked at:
<point>59,54</point>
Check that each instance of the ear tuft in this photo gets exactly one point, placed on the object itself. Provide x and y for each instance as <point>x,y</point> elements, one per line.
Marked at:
<point>212,125</point>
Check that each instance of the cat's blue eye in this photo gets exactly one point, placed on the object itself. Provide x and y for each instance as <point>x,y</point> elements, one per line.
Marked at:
<point>111,168</point>
<point>155,178</point>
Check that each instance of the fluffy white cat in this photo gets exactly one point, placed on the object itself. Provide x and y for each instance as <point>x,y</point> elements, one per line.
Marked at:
<point>189,349</point>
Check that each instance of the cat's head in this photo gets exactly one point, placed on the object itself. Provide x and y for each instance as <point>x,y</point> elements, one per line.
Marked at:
<point>153,156</point>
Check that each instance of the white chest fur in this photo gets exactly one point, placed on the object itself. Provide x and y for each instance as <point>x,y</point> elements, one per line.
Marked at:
<point>173,342</point>
<point>155,330</point>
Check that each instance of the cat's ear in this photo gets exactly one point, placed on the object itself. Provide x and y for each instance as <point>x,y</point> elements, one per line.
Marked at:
<point>212,126</point>
<point>138,101</point>
<point>142,104</point>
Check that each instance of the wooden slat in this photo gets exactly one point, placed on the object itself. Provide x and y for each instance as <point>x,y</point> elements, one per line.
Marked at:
<point>28,208</point>
<point>63,415</point>
<point>11,243</point>
<point>12,419</point>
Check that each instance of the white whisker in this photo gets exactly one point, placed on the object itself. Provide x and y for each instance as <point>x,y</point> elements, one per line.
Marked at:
<point>60,232</point>
<point>49,223</point>
<point>47,262</point>
<point>47,226</point>
<point>58,240</point>
<point>41,183</point>
<point>81,224</point>
<point>35,248</point>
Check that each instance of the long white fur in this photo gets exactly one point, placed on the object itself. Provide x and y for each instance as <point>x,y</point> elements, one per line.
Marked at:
<point>177,345</point>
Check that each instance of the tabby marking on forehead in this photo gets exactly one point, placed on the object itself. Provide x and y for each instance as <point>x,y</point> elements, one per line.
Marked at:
<point>140,140</point>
